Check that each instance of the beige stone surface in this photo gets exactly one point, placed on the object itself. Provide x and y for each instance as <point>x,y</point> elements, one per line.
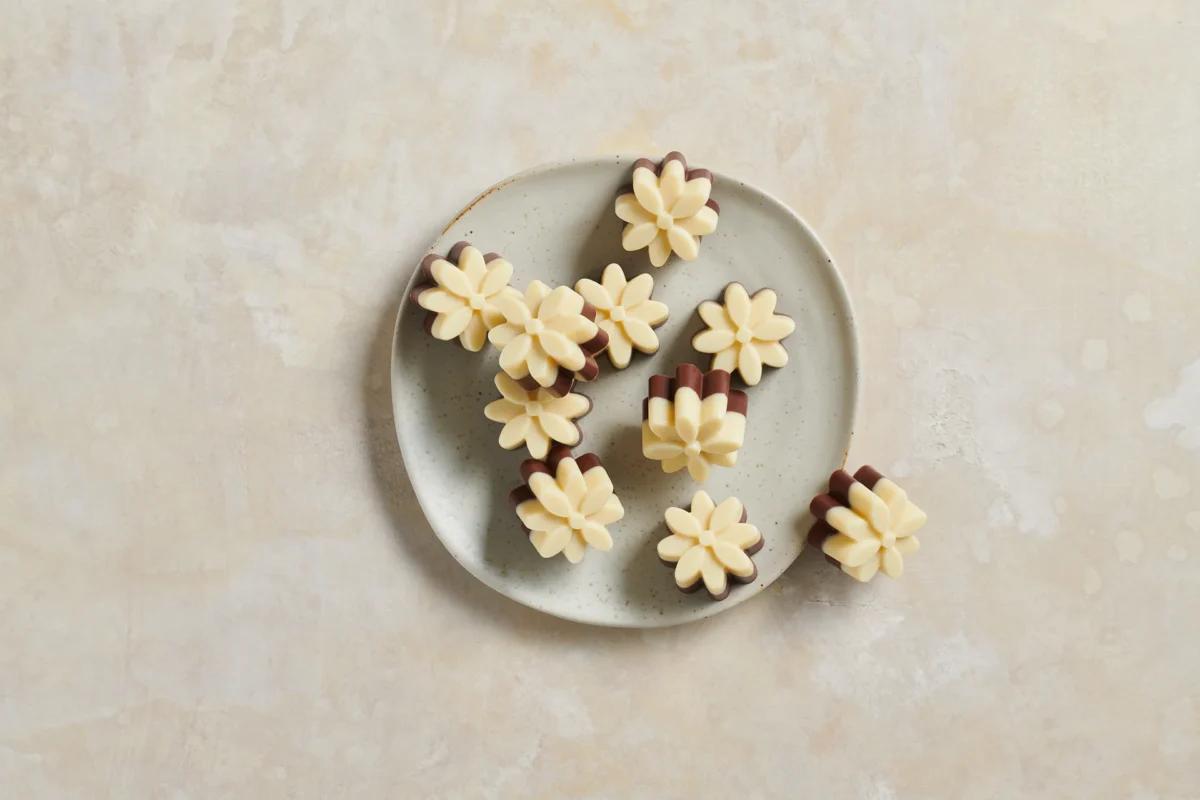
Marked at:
<point>214,581</point>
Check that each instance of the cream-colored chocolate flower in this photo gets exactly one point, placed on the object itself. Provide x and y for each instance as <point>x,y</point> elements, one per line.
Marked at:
<point>536,417</point>
<point>693,421</point>
<point>464,297</point>
<point>710,543</point>
<point>625,312</point>
<point>876,531</point>
<point>744,332</point>
<point>541,332</point>
<point>668,209</point>
<point>571,509</point>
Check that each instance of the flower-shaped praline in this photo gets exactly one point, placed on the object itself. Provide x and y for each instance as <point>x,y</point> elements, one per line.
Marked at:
<point>667,208</point>
<point>535,417</point>
<point>744,333</point>
<point>693,420</point>
<point>865,524</point>
<point>460,293</point>
<point>548,338</point>
<point>709,544</point>
<point>566,504</point>
<point>625,312</point>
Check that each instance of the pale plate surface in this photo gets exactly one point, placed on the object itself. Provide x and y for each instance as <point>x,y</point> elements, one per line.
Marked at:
<point>556,224</point>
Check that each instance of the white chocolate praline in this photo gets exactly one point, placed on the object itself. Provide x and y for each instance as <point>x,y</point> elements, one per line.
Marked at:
<point>875,532</point>
<point>464,297</point>
<point>709,543</point>
<point>625,312</point>
<point>666,212</point>
<point>689,431</point>
<point>743,333</point>
<point>542,331</point>
<point>535,418</point>
<point>570,511</point>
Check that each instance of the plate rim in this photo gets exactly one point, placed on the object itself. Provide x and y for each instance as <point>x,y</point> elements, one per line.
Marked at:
<point>841,292</point>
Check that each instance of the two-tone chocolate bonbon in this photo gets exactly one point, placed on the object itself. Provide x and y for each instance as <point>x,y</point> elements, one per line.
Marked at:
<point>667,208</point>
<point>693,420</point>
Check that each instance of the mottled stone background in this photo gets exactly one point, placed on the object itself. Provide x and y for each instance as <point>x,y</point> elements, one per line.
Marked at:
<point>214,581</point>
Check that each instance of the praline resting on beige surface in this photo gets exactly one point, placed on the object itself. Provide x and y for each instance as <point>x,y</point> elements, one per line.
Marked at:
<point>461,291</point>
<point>625,312</point>
<point>709,545</point>
<point>548,337</point>
<point>667,209</point>
<point>744,332</point>
<point>566,504</point>
<point>865,524</point>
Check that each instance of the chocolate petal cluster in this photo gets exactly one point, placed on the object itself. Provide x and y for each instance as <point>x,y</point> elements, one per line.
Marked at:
<point>462,292</point>
<point>667,208</point>
<point>693,420</point>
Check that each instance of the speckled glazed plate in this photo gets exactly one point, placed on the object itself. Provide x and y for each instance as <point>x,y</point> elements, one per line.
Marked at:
<point>556,224</point>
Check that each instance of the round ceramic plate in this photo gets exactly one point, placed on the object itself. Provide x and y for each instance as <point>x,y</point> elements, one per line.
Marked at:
<point>556,224</point>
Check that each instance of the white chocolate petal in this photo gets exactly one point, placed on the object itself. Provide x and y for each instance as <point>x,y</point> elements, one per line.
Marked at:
<point>569,406</point>
<point>503,410</point>
<point>851,552</point>
<point>596,535</point>
<point>550,543</point>
<point>697,467</point>
<point>712,340</point>
<point>448,326</point>
<point>535,293</point>
<point>660,417</point>
<point>741,534</point>
<point>660,249</point>
<point>641,335</point>
<point>891,562</point>
<point>864,572</point>
<point>511,390</point>
<point>562,350</point>
<point>727,359</point>
<point>550,494</point>
<point>451,278</point>
<point>774,328</point>
<point>533,515</point>
<point>613,281</point>
<point>499,273</point>
<point>439,301</point>
<point>750,365</point>
<point>714,316</point>
<point>670,465</point>
<point>599,489</point>
<point>702,507</point>
<point>575,327</point>
<point>671,183</point>
<point>562,302</point>
<point>728,437</point>
<point>687,571</point>
<point>594,293</point>
<point>846,521</point>
<point>715,579</point>
<point>537,441</point>
<point>728,513</point>
<point>501,335</point>
<point>659,449</point>
<point>869,506</point>
<point>559,429</point>
<point>637,290</point>
<point>723,459</point>
<point>513,307</point>
<point>702,223</point>
<point>570,479</point>
<point>682,523</point>
<point>912,521</point>
<point>629,209</point>
<point>651,312</point>
<point>773,354</point>
<point>645,188</point>
<point>762,306</point>
<point>620,349</point>
<point>470,261</point>
<point>733,559</point>
<point>474,335</point>
<point>612,511</point>
<point>683,243</point>
<point>638,235</point>
<point>907,545</point>
<point>543,368</point>
<point>692,198</point>
<point>575,549</point>
<point>512,357</point>
<point>513,432</point>
<point>674,546</point>
<point>737,304</point>
<point>687,413</point>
